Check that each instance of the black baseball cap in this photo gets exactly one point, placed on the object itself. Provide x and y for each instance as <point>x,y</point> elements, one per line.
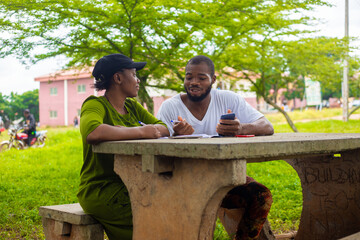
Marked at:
<point>110,64</point>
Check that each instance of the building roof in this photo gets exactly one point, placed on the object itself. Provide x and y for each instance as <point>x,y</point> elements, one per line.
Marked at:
<point>69,74</point>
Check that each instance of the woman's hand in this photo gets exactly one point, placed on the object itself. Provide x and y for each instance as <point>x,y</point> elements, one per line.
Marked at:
<point>150,131</point>
<point>106,132</point>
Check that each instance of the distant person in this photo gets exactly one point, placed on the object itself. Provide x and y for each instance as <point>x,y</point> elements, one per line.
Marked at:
<point>198,111</point>
<point>285,106</point>
<point>1,125</point>
<point>76,121</point>
<point>30,126</point>
<point>6,121</point>
<point>114,116</point>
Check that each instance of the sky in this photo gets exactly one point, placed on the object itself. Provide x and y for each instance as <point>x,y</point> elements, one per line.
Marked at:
<point>15,77</point>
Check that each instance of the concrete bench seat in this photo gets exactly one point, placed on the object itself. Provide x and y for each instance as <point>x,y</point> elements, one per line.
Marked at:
<point>69,222</point>
<point>355,236</point>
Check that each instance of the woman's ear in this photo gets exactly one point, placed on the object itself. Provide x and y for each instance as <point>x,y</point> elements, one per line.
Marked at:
<point>117,78</point>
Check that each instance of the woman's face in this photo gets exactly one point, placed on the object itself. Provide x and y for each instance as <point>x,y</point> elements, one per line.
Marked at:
<point>129,82</point>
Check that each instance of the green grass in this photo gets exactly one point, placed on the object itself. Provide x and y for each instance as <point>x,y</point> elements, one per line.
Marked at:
<point>47,176</point>
<point>325,126</point>
<point>309,114</point>
<point>285,187</point>
<point>35,177</point>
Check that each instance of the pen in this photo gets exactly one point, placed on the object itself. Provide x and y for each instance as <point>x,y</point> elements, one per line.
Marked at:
<point>174,122</point>
<point>142,124</point>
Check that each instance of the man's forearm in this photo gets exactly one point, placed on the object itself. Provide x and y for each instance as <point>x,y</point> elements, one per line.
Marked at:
<point>260,127</point>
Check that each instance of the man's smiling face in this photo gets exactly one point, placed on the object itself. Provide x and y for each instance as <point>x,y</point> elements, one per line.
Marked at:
<point>198,81</point>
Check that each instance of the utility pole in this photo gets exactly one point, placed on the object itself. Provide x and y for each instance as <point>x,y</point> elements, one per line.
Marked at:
<point>345,83</point>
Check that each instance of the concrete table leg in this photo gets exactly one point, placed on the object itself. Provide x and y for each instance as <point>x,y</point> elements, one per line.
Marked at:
<point>181,204</point>
<point>331,195</point>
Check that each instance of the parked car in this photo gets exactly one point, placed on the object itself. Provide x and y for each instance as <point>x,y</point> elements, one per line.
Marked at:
<point>356,103</point>
<point>325,104</point>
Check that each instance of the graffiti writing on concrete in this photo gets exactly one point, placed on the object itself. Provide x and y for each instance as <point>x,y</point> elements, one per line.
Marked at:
<point>334,175</point>
<point>331,195</point>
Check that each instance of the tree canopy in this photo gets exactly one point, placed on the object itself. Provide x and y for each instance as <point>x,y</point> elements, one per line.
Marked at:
<point>254,35</point>
<point>12,106</point>
<point>164,33</point>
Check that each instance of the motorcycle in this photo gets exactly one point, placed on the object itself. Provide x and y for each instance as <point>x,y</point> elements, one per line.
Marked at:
<point>18,140</point>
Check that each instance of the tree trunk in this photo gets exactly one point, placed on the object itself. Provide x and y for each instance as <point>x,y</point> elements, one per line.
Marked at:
<point>288,119</point>
<point>144,96</point>
<point>294,101</point>
<point>352,111</point>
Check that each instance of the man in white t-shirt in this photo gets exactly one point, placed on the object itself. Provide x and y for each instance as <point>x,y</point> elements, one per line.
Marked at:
<point>201,107</point>
<point>198,111</point>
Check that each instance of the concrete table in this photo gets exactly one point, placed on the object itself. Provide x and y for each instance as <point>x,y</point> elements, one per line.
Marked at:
<point>176,185</point>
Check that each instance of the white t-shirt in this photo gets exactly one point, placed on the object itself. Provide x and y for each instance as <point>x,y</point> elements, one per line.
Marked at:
<point>220,102</point>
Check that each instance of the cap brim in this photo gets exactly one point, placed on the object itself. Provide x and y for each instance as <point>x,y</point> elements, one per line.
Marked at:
<point>137,65</point>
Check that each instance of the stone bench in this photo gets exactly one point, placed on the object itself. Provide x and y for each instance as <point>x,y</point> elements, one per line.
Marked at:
<point>355,236</point>
<point>69,222</point>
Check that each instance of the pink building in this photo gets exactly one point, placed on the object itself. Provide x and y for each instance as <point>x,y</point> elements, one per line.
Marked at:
<point>62,93</point>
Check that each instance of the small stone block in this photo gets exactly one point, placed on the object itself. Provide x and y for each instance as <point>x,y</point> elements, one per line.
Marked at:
<point>156,164</point>
<point>77,232</point>
<point>62,228</point>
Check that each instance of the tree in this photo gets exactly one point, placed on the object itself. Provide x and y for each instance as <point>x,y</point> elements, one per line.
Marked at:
<point>27,100</point>
<point>83,31</point>
<point>273,64</point>
<point>12,106</point>
<point>354,81</point>
<point>333,88</point>
<point>261,53</point>
<point>166,34</point>
<point>4,109</point>
<point>250,36</point>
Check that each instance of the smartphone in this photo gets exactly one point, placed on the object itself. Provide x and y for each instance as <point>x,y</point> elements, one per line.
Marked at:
<point>229,116</point>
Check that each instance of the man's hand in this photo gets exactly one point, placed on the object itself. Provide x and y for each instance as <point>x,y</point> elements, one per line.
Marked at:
<point>182,127</point>
<point>233,127</point>
<point>229,127</point>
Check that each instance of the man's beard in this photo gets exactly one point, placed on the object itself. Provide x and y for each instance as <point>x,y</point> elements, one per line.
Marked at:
<point>198,98</point>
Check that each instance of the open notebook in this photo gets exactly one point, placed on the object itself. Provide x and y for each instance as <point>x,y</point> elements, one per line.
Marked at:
<point>190,136</point>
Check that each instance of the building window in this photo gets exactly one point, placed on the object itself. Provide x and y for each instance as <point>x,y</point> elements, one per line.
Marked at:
<point>53,91</point>
<point>53,114</point>
<point>81,88</point>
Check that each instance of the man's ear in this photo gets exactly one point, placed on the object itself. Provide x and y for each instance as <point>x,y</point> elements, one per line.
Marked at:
<point>213,80</point>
